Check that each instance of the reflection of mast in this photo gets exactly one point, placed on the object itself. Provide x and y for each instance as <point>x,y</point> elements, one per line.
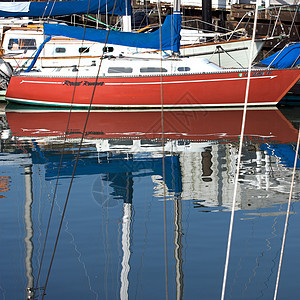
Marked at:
<point>29,230</point>
<point>178,247</point>
<point>126,222</point>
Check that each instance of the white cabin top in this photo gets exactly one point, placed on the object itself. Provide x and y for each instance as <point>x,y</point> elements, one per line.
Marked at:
<point>124,66</point>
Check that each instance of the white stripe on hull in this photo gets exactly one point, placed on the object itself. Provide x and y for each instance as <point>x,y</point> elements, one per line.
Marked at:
<point>156,82</point>
<point>168,106</point>
<point>48,82</point>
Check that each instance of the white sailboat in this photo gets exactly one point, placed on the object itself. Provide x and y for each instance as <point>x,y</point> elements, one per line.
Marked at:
<point>19,45</point>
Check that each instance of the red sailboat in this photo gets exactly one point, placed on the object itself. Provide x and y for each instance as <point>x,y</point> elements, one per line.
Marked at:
<point>172,82</point>
<point>152,90</point>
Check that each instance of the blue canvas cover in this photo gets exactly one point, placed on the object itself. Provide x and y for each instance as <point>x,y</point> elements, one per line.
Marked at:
<point>170,35</point>
<point>62,8</point>
<point>288,57</point>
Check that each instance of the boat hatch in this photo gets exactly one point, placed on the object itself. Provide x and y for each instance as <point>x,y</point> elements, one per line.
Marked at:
<point>120,70</point>
<point>152,70</point>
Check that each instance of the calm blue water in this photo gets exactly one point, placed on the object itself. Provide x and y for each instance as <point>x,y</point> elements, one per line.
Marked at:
<point>146,219</point>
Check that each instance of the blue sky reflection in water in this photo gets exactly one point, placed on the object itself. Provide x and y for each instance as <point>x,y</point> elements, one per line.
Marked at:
<point>113,243</point>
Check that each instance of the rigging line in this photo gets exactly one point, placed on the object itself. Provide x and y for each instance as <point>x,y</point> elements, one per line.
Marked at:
<point>294,20</point>
<point>274,47</point>
<point>58,174</point>
<point>236,27</point>
<point>163,151</point>
<point>239,157</point>
<point>46,9</point>
<point>57,179</point>
<point>76,161</point>
<point>55,190</point>
<point>53,8</point>
<point>287,217</point>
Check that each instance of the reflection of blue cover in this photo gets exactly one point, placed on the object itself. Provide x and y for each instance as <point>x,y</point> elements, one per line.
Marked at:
<point>285,58</point>
<point>169,40</point>
<point>118,169</point>
<point>62,8</point>
<point>286,153</point>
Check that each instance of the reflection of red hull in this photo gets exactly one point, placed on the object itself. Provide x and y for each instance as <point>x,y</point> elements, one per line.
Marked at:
<point>211,89</point>
<point>261,125</point>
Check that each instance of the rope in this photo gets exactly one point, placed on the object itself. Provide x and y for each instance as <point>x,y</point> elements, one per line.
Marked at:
<point>216,51</point>
<point>293,21</point>
<point>58,176</point>
<point>46,9</point>
<point>76,162</point>
<point>287,217</point>
<point>56,185</point>
<point>163,158</point>
<point>102,23</point>
<point>239,158</point>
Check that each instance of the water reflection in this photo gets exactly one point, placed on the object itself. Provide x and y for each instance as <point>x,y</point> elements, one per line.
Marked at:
<point>122,160</point>
<point>199,147</point>
<point>29,230</point>
<point>222,125</point>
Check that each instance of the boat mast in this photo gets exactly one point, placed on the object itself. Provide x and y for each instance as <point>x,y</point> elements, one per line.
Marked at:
<point>177,5</point>
<point>126,20</point>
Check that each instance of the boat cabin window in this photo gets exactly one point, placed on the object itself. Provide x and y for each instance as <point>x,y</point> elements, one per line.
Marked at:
<point>60,50</point>
<point>108,49</point>
<point>183,69</point>
<point>84,50</point>
<point>22,44</point>
<point>152,70</point>
<point>119,70</point>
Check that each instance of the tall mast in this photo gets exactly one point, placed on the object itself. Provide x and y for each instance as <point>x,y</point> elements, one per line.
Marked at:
<point>176,5</point>
<point>126,20</point>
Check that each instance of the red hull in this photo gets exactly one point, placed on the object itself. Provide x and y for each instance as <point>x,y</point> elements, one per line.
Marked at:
<point>214,89</point>
<point>223,125</point>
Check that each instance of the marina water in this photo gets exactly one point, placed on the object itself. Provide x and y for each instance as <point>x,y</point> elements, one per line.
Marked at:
<point>149,207</point>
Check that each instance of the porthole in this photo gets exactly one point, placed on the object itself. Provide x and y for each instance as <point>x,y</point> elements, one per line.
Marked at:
<point>60,50</point>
